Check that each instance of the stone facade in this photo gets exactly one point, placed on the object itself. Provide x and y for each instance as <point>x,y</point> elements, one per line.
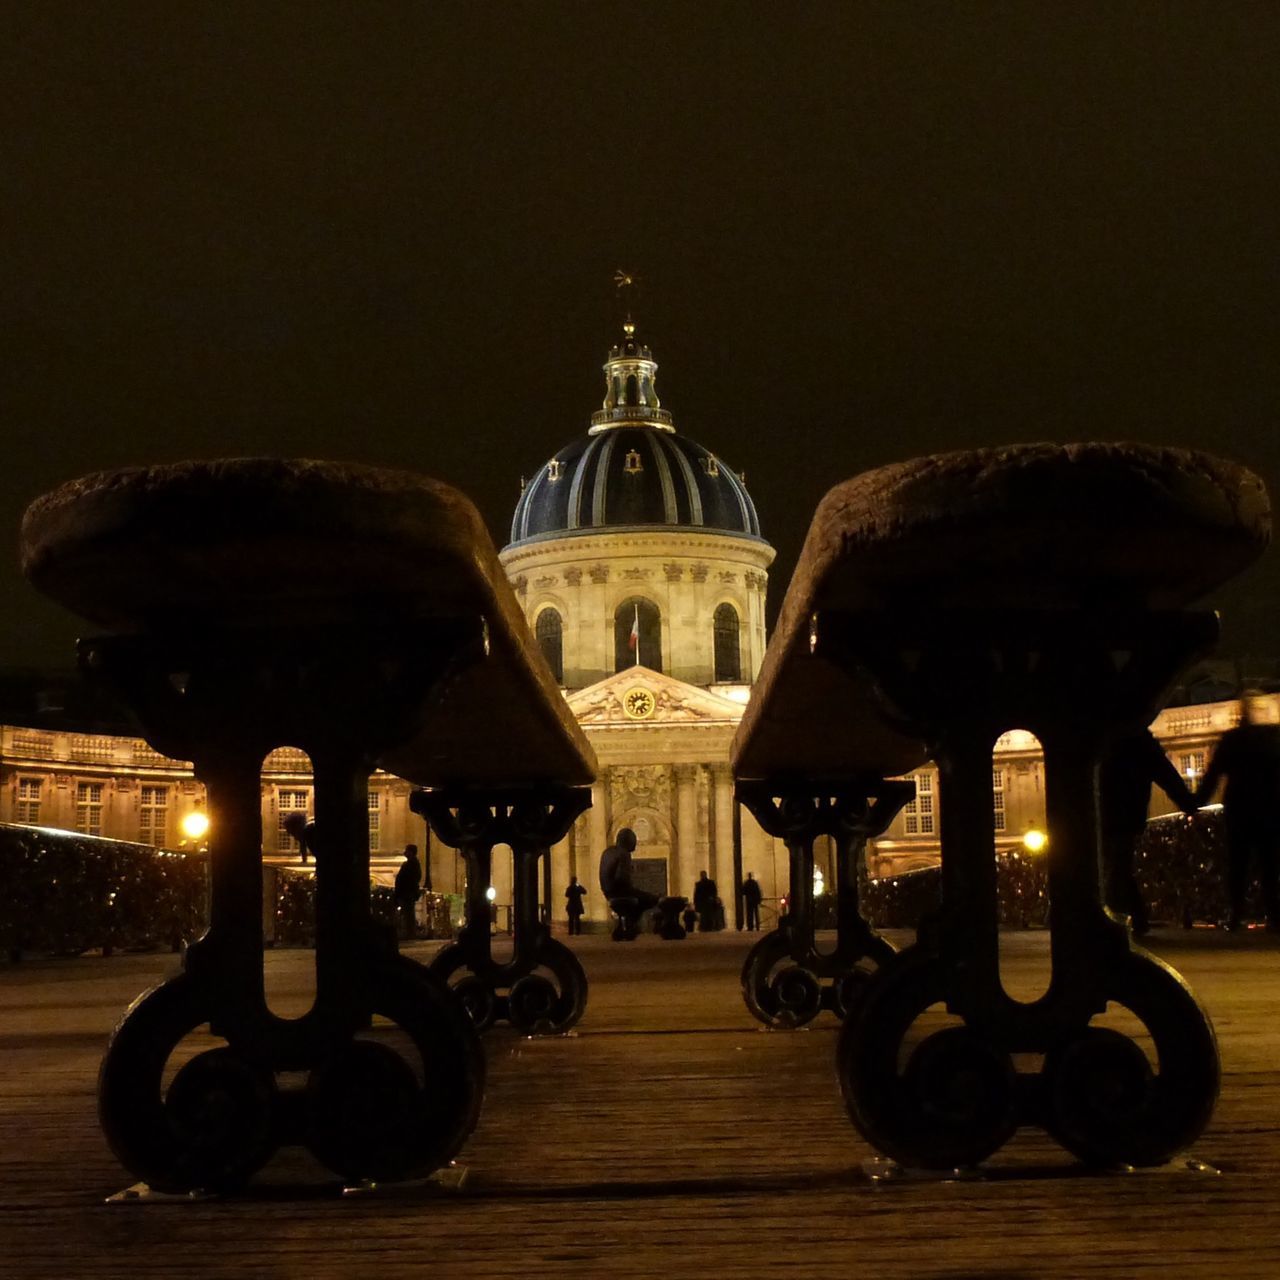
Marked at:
<point>629,528</point>
<point>663,747</point>
<point>686,573</point>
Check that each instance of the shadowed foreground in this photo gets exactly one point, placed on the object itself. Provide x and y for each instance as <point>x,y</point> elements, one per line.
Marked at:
<point>669,1136</point>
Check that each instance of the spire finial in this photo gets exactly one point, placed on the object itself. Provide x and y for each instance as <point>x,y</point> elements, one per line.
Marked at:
<point>627,286</point>
<point>630,397</point>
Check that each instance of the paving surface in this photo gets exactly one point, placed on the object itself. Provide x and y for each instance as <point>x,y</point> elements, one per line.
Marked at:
<point>670,1136</point>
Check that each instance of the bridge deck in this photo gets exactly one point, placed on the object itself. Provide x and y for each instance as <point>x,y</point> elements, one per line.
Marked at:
<point>671,1136</point>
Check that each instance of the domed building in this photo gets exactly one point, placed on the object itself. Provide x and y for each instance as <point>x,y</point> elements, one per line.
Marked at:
<point>638,558</point>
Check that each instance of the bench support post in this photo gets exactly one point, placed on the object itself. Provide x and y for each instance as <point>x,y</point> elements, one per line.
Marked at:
<point>786,980</point>
<point>542,989</point>
<point>951,1097</point>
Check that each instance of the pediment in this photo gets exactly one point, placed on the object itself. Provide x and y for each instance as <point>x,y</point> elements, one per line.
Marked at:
<point>637,697</point>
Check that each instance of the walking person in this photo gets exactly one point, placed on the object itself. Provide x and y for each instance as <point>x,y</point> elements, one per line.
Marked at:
<point>303,830</point>
<point>573,906</point>
<point>407,891</point>
<point>1248,757</point>
<point>1134,762</point>
<point>751,896</point>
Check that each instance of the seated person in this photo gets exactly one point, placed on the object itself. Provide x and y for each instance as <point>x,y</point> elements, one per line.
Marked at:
<point>615,878</point>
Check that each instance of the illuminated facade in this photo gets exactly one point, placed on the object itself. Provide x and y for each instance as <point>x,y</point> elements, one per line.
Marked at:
<point>638,559</point>
<point>637,556</point>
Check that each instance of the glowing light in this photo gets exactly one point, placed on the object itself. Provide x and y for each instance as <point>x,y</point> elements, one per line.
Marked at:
<point>819,884</point>
<point>195,825</point>
<point>491,893</point>
<point>1034,841</point>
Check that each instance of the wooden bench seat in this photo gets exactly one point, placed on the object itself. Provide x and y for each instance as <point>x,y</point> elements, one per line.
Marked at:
<point>360,615</point>
<point>938,603</point>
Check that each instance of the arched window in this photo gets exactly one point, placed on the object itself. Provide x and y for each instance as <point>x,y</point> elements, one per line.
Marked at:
<point>549,632</point>
<point>637,635</point>
<point>633,389</point>
<point>728,654</point>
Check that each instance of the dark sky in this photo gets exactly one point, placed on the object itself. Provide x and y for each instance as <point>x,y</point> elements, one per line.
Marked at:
<point>386,232</point>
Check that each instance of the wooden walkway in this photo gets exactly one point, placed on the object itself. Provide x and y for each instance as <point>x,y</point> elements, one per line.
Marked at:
<point>670,1136</point>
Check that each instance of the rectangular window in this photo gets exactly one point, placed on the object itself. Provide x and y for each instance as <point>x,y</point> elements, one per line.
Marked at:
<point>919,812</point>
<point>287,802</point>
<point>375,821</point>
<point>1191,766</point>
<point>27,810</point>
<point>89,808</point>
<point>997,797</point>
<point>153,816</point>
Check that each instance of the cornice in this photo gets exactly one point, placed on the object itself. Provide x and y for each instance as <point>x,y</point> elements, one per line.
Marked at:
<point>619,544</point>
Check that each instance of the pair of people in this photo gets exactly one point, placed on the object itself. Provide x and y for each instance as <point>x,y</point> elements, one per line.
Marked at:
<point>1248,758</point>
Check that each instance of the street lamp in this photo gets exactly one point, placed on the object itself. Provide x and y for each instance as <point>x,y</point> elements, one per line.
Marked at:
<point>195,825</point>
<point>1034,840</point>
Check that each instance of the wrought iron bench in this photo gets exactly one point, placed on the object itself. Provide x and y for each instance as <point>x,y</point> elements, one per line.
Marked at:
<point>362,616</point>
<point>937,604</point>
<point>809,762</point>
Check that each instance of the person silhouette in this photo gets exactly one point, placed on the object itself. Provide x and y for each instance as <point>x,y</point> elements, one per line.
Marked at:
<point>751,896</point>
<point>615,880</point>
<point>303,830</point>
<point>1248,757</point>
<point>1134,762</point>
<point>408,889</point>
<point>705,899</point>
<point>573,907</point>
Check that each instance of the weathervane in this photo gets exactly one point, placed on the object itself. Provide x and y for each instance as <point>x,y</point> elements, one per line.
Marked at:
<point>627,285</point>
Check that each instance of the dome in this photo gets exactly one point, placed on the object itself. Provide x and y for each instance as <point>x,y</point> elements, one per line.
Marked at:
<point>629,477</point>
<point>631,470</point>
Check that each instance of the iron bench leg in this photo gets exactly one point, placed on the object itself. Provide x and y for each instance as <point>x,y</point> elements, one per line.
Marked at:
<point>786,980</point>
<point>953,1096</point>
<point>542,989</point>
<point>370,1106</point>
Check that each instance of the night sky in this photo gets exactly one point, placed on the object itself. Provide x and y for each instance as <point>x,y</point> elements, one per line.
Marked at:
<point>387,233</point>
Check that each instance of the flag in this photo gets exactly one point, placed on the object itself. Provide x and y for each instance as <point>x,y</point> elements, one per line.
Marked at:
<point>633,640</point>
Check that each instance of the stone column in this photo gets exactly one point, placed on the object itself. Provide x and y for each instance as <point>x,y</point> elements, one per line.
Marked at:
<point>598,827</point>
<point>722,873</point>
<point>686,873</point>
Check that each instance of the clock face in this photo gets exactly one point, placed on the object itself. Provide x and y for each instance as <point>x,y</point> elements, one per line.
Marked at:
<point>638,703</point>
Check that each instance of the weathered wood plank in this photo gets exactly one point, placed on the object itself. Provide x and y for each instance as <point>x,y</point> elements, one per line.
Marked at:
<point>670,1136</point>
